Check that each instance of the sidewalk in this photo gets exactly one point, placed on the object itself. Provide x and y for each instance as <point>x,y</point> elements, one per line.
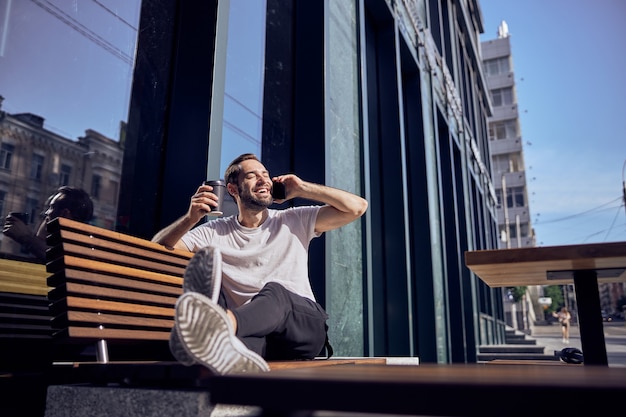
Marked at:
<point>550,337</point>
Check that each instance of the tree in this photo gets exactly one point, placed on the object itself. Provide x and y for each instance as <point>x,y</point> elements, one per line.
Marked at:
<point>555,292</point>
<point>516,293</point>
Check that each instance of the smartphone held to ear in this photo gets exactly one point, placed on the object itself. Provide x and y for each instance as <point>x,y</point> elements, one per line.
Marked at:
<point>278,190</point>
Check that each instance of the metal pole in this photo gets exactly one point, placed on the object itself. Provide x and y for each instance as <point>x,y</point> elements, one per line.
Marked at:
<point>506,213</point>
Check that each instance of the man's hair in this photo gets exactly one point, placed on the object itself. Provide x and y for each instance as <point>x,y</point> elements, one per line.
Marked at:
<point>77,201</point>
<point>231,176</point>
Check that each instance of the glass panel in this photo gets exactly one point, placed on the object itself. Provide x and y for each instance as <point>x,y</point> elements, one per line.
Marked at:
<point>65,79</point>
<point>243,101</point>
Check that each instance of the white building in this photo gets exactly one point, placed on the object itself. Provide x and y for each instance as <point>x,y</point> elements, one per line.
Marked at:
<point>34,162</point>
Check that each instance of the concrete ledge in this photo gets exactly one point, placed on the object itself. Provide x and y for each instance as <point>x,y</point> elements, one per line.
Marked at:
<point>106,401</point>
<point>110,399</point>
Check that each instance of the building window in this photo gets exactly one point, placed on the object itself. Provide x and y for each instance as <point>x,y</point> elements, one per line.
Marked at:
<point>513,230</point>
<point>515,197</point>
<point>502,96</point>
<point>497,66</point>
<point>36,167</point>
<point>505,129</point>
<point>6,154</point>
<point>115,190</point>
<point>500,163</point>
<point>509,162</point>
<point>3,196</point>
<point>96,184</point>
<point>64,175</point>
<point>32,208</point>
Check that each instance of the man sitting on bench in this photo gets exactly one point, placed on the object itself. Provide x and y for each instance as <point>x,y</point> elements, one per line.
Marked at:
<point>247,296</point>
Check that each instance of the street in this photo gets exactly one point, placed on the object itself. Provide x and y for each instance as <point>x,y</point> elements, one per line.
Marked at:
<point>614,336</point>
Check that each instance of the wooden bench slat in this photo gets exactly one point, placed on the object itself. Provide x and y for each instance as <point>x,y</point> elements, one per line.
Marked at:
<point>26,336</point>
<point>107,268</point>
<point>56,226</point>
<point>107,333</point>
<point>23,277</point>
<point>134,257</point>
<point>105,318</point>
<point>34,306</point>
<point>77,275</point>
<point>112,294</point>
<point>21,298</point>
<point>102,305</point>
<point>29,328</point>
<point>275,365</point>
<point>24,289</point>
<point>13,316</point>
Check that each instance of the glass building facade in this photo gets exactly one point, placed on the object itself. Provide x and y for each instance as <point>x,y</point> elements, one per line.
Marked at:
<point>386,99</point>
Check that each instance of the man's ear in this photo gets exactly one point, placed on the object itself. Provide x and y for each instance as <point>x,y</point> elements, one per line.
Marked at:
<point>66,213</point>
<point>232,189</point>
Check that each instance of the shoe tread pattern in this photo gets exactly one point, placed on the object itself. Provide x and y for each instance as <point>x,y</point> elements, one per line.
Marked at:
<point>204,273</point>
<point>206,335</point>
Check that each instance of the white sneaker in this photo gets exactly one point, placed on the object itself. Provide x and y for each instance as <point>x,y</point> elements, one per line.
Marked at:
<point>206,335</point>
<point>203,275</point>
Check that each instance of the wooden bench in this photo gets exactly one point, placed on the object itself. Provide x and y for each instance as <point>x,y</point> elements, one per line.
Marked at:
<point>25,330</point>
<point>25,336</point>
<point>113,295</point>
<point>111,289</point>
<point>116,293</point>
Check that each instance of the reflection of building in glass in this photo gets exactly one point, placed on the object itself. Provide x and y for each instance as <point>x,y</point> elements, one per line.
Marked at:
<point>34,162</point>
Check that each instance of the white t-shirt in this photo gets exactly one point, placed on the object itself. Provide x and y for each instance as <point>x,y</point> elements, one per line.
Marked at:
<point>276,251</point>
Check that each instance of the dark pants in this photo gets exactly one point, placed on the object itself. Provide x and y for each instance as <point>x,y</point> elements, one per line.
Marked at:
<point>280,325</point>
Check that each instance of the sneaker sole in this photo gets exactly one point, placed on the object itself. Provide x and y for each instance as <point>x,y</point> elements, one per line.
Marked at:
<point>203,273</point>
<point>177,349</point>
<point>206,334</point>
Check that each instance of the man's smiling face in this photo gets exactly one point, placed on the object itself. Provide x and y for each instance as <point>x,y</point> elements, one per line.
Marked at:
<point>255,185</point>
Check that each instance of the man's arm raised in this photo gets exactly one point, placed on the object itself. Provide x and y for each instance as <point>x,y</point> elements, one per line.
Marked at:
<point>170,236</point>
<point>202,202</point>
<point>341,206</point>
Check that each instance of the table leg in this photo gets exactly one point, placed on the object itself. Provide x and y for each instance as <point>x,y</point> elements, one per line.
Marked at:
<point>590,318</point>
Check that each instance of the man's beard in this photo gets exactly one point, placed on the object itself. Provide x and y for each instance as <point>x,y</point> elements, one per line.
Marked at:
<point>249,201</point>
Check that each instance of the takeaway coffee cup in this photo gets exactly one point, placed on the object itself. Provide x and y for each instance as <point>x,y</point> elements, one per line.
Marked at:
<point>219,189</point>
<point>22,216</point>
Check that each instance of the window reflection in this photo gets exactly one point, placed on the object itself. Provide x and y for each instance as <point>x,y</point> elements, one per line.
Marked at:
<point>243,101</point>
<point>64,97</point>
<point>64,94</point>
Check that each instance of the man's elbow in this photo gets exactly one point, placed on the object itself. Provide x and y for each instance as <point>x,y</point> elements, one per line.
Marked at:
<point>360,208</point>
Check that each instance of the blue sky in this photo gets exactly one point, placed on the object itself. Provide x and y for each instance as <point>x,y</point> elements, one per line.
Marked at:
<point>70,62</point>
<point>569,58</point>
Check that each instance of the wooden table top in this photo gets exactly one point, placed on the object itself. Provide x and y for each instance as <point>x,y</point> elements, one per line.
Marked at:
<point>450,390</point>
<point>548,265</point>
<point>512,375</point>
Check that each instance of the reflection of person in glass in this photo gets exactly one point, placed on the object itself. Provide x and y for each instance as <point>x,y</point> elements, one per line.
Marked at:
<point>70,202</point>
